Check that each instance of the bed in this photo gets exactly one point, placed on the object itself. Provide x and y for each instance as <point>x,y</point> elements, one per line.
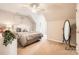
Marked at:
<point>26,38</point>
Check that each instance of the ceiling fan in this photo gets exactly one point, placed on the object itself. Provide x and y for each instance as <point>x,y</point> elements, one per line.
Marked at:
<point>35,7</point>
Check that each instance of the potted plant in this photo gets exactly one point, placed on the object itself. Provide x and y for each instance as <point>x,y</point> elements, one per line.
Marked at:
<point>8,37</point>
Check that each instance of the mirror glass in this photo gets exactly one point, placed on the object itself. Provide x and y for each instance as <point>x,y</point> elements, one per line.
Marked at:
<point>66,30</point>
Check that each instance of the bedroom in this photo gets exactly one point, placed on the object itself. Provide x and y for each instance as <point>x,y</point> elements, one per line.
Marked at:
<point>20,22</point>
<point>41,20</point>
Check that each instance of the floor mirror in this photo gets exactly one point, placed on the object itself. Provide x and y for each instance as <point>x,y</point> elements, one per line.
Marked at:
<point>66,33</point>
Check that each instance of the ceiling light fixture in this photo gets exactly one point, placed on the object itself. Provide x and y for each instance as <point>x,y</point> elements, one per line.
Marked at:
<point>34,5</point>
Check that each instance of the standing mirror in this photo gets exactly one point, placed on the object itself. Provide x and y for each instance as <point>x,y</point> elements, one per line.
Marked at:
<point>66,32</point>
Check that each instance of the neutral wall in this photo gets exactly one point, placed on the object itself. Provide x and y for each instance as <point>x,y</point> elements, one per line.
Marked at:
<point>10,19</point>
<point>55,15</point>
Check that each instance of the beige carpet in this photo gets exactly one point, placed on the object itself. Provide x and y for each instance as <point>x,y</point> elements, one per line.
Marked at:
<point>45,47</point>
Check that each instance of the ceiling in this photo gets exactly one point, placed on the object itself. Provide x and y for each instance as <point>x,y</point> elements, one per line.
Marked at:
<point>50,11</point>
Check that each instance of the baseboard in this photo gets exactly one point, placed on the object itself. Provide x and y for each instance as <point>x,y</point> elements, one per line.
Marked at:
<point>56,40</point>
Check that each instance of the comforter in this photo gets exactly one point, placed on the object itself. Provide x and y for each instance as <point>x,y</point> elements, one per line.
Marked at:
<point>25,38</point>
